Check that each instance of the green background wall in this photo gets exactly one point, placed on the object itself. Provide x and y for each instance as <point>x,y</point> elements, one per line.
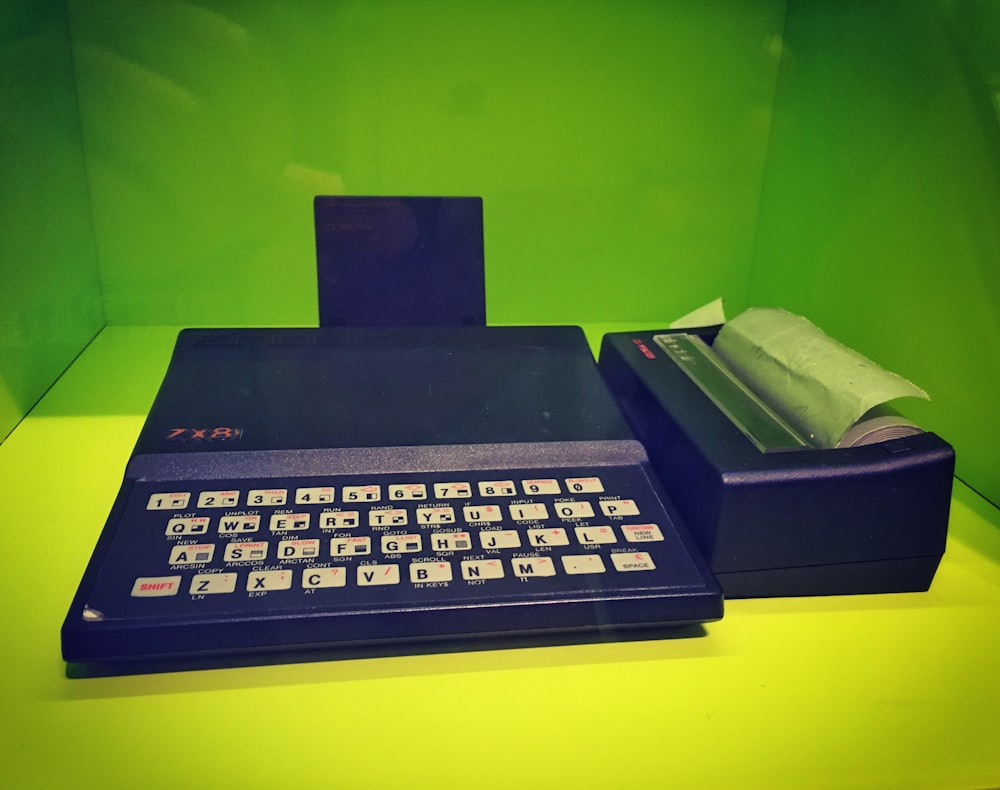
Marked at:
<point>50,297</point>
<point>625,139</point>
<point>880,216</point>
<point>635,158</point>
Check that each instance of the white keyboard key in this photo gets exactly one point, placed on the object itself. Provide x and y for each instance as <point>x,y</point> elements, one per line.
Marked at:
<point>481,569</point>
<point>191,553</point>
<point>177,500</point>
<point>156,586</point>
<point>426,572</point>
<point>342,519</point>
<point>451,541</point>
<point>289,522</point>
<point>619,507</point>
<point>584,485</point>
<point>435,515</point>
<point>314,578</point>
<point>642,533</point>
<point>576,564</point>
<point>266,581</point>
<point>361,494</point>
<point>497,488</point>
<point>569,511</point>
<point>458,490</point>
<point>212,583</point>
<point>637,561</point>
<point>546,486</point>
<point>298,549</point>
<point>500,539</point>
<point>350,547</point>
<point>267,496</point>
<point>373,575</point>
<point>530,512</point>
<point>550,536</point>
<point>401,544</point>
<point>314,495</point>
<point>526,567</point>
<point>387,518</point>
<point>238,525</point>
<point>187,526</point>
<point>407,491</point>
<point>255,551</point>
<point>592,535</point>
<point>218,499</point>
<point>474,514</point>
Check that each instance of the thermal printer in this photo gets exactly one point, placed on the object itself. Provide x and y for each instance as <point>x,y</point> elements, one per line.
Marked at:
<point>779,449</point>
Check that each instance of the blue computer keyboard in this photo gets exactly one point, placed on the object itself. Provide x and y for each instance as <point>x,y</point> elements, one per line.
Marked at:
<point>218,566</point>
<point>364,490</point>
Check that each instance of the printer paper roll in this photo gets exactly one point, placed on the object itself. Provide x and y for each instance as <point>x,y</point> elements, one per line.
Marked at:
<point>816,384</point>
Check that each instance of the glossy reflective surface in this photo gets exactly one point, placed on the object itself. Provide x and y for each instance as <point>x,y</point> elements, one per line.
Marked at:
<point>635,160</point>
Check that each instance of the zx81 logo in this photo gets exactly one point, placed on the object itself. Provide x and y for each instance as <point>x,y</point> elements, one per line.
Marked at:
<point>220,434</point>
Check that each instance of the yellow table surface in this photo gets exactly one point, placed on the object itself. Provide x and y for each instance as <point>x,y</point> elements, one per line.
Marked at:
<point>863,691</point>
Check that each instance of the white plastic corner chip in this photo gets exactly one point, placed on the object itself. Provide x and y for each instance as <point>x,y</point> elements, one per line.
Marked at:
<point>707,315</point>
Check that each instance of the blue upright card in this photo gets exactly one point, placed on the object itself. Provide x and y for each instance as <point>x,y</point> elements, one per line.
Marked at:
<point>400,261</point>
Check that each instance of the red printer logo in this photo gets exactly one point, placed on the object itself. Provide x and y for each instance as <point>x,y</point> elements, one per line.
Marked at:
<point>646,350</point>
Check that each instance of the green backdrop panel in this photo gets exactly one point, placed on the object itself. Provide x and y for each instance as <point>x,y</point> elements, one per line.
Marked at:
<point>882,197</point>
<point>618,147</point>
<point>50,299</point>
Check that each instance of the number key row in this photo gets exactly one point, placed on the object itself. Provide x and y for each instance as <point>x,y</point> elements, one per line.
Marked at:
<point>320,495</point>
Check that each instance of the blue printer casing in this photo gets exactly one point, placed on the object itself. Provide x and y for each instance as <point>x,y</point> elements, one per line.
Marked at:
<point>868,519</point>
